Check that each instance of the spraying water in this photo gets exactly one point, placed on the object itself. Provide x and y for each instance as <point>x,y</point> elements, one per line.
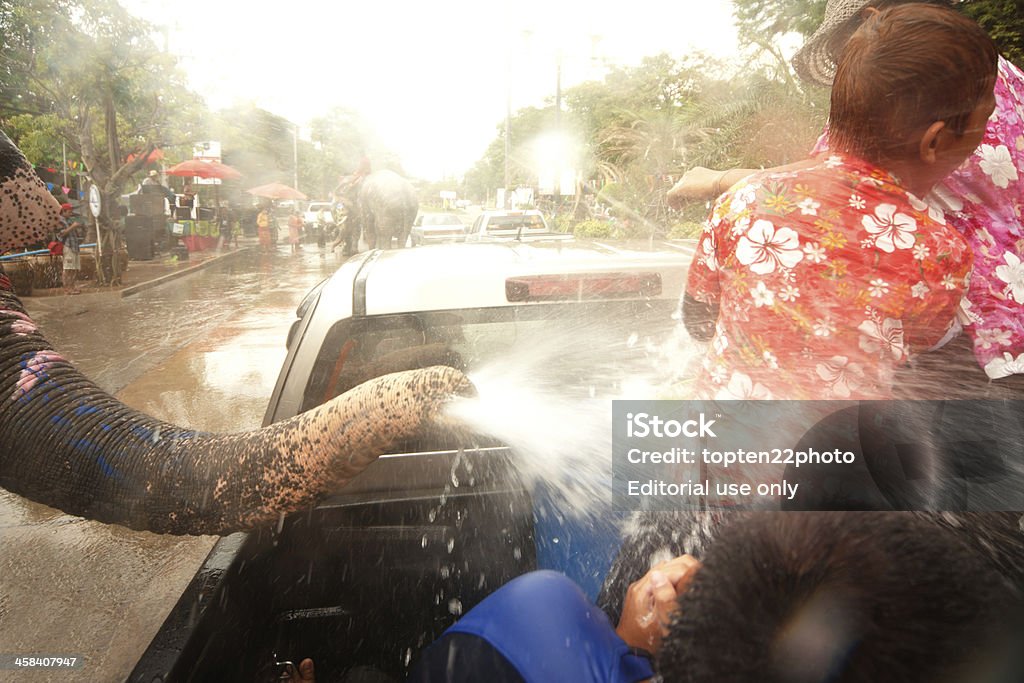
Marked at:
<point>549,398</point>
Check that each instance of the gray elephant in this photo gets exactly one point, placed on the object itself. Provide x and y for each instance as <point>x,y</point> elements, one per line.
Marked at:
<point>66,443</point>
<point>383,206</point>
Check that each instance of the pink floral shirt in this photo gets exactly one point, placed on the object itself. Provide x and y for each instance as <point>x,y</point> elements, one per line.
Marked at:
<point>984,201</point>
<point>825,279</point>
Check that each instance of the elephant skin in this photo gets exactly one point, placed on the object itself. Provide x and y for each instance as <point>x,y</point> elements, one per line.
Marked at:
<point>385,207</point>
<point>66,443</point>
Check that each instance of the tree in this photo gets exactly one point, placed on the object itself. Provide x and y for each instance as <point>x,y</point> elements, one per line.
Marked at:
<point>1004,22</point>
<point>91,74</point>
<point>344,136</point>
<point>762,22</point>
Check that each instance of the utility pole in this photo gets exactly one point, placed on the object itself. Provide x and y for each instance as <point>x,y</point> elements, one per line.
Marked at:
<point>508,130</point>
<point>558,127</point>
<point>295,156</point>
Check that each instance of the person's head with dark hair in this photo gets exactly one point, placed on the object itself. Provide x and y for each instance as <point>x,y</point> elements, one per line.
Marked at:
<point>841,597</point>
<point>913,91</point>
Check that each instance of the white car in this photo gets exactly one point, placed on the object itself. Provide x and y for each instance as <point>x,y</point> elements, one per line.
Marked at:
<point>481,301</point>
<point>430,228</point>
<point>502,226</point>
<point>316,212</point>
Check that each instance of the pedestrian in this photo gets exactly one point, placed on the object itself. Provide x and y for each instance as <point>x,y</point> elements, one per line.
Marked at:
<point>226,223</point>
<point>71,238</point>
<point>321,228</point>
<point>295,231</point>
<point>263,221</point>
<point>818,283</point>
<point>981,200</point>
<point>153,180</point>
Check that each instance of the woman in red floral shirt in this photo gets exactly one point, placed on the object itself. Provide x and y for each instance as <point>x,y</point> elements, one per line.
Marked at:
<point>819,282</point>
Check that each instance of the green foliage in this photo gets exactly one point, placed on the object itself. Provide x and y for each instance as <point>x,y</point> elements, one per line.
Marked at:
<point>643,126</point>
<point>595,229</point>
<point>760,22</point>
<point>685,230</point>
<point>1004,22</point>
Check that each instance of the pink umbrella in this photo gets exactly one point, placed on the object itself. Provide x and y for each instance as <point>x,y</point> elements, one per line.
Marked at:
<point>204,169</point>
<point>276,191</point>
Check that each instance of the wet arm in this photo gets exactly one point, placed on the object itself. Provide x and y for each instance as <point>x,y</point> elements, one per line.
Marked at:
<point>701,184</point>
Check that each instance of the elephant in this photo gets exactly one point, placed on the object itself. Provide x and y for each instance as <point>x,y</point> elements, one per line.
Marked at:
<point>383,205</point>
<point>66,443</point>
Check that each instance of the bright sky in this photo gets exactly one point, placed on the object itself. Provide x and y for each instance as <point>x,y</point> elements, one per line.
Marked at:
<point>432,77</point>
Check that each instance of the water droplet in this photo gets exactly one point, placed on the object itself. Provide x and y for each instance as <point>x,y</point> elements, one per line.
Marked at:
<point>555,539</point>
<point>408,656</point>
<point>517,553</point>
<point>423,543</point>
<point>445,572</point>
<point>451,544</point>
<point>455,479</point>
<point>455,606</point>
<point>432,515</point>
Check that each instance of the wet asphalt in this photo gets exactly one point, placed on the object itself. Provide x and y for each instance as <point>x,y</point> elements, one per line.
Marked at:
<point>202,351</point>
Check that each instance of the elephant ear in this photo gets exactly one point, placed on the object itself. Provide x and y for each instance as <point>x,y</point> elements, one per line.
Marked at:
<point>28,212</point>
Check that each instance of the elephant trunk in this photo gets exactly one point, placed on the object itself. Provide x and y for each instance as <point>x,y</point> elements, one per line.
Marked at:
<point>66,443</point>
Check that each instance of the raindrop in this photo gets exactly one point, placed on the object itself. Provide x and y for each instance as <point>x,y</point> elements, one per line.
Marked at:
<point>555,539</point>
<point>455,479</point>
<point>455,606</point>
<point>445,572</point>
<point>432,515</point>
<point>423,543</point>
<point>517,553</point>
<point>451,544</point>
<point>408,656</point>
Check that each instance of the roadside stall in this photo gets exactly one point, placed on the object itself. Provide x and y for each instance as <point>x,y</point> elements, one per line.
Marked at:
<point>197,226</point>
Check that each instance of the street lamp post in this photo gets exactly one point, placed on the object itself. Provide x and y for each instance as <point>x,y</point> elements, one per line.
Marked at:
<point>295,156</point>
<point>558,126</point>
<point>508,128</point>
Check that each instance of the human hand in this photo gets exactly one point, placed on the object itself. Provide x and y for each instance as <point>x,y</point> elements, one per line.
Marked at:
<point>651,601</point>
<point>303,673</point>
<point>697,184</point>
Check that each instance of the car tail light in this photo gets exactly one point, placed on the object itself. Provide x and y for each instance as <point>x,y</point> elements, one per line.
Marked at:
<point>582,286</point>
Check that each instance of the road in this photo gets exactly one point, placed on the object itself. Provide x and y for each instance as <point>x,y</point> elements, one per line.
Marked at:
<point>202,352</point>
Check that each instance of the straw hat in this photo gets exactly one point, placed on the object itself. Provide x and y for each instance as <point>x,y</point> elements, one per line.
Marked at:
<point>813,62</point>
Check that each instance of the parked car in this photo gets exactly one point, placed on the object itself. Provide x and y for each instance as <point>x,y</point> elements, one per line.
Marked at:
<point>501,225</point>
<point>375,573</point>
<point>316,212</point>
<point>431,228</point>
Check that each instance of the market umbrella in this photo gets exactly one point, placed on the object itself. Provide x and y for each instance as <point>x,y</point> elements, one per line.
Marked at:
<point>204,169</point>
<point>276,191</point>
<point>154,156</point>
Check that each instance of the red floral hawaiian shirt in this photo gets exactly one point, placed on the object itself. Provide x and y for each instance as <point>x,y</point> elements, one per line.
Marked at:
<point>984,200</point>
<point>826,279</point>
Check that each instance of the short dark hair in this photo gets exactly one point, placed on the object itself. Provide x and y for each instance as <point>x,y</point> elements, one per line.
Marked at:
<point>841,597</point>
<point>906,67</point>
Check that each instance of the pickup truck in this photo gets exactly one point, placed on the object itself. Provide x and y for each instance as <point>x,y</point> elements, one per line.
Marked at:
<point>373,574</point>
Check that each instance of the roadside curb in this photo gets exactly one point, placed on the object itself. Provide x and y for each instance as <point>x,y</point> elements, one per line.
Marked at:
<point>163,279</point>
